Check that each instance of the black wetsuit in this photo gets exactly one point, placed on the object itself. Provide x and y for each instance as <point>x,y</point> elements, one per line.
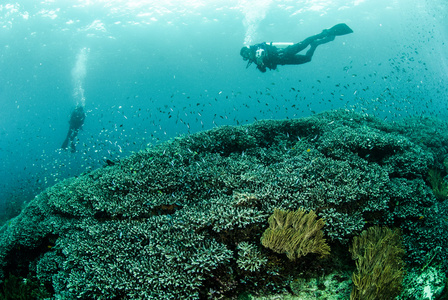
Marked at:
<point>76,121</point>
<point>270,56</point>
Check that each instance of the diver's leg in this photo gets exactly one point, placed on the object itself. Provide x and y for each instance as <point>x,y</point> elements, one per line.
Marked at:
<point>324,40</point>
<point>65,143</point>
<point>324,37</point>
<point>299,59</point>
<point>73,140</point>
<point>68,139</point>
<point>293,49</point>
<point>73,146</point>
<point>309,54</point>
<point>320,38</point>
<point>327,35</point>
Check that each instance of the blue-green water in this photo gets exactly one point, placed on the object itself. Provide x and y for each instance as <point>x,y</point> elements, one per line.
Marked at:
<point>151,70</point>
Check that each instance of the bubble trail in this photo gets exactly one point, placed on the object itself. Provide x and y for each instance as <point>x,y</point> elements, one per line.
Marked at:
<point>78,76</point>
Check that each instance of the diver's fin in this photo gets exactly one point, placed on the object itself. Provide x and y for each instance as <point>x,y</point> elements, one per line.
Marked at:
<point>339,29</point>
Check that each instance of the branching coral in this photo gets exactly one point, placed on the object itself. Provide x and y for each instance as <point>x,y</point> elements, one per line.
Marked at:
<point>249,258</point>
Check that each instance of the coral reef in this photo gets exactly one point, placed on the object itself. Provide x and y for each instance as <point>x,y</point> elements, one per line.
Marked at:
<point>295,233</point>
<point>426,235</point>
<point>22,289</point>
<point>438,184</point>
<point>184,219</point>
<point>333,286</point>
<point>424,284</point>
<point>379,264</point>
<point>249,258</point>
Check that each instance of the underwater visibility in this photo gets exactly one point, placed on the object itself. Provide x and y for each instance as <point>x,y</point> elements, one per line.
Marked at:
<point>224,149</point>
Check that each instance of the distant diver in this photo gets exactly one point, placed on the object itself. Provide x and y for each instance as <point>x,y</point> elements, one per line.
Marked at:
<point>269,55</point>
<point>76,121</point>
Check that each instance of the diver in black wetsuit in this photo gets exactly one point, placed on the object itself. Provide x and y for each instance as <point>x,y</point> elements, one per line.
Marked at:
<point>76,122</point>
<point>269,55</point>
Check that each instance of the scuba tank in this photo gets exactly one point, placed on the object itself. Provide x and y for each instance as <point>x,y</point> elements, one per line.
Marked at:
<point>281,45</point>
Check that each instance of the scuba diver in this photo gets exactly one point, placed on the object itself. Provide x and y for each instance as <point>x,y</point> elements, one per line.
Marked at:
<point>270,55</point>
<point>76,122</point>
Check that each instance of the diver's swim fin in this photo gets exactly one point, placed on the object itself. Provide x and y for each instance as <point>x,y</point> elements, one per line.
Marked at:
<point>339,29</point>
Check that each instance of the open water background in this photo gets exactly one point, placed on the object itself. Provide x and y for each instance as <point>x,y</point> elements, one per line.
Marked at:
<point>148,71</point>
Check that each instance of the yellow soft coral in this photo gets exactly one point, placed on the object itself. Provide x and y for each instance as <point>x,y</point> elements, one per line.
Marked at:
<point>379,265</point>
<point>438,184</point>
<point>295,233</point>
